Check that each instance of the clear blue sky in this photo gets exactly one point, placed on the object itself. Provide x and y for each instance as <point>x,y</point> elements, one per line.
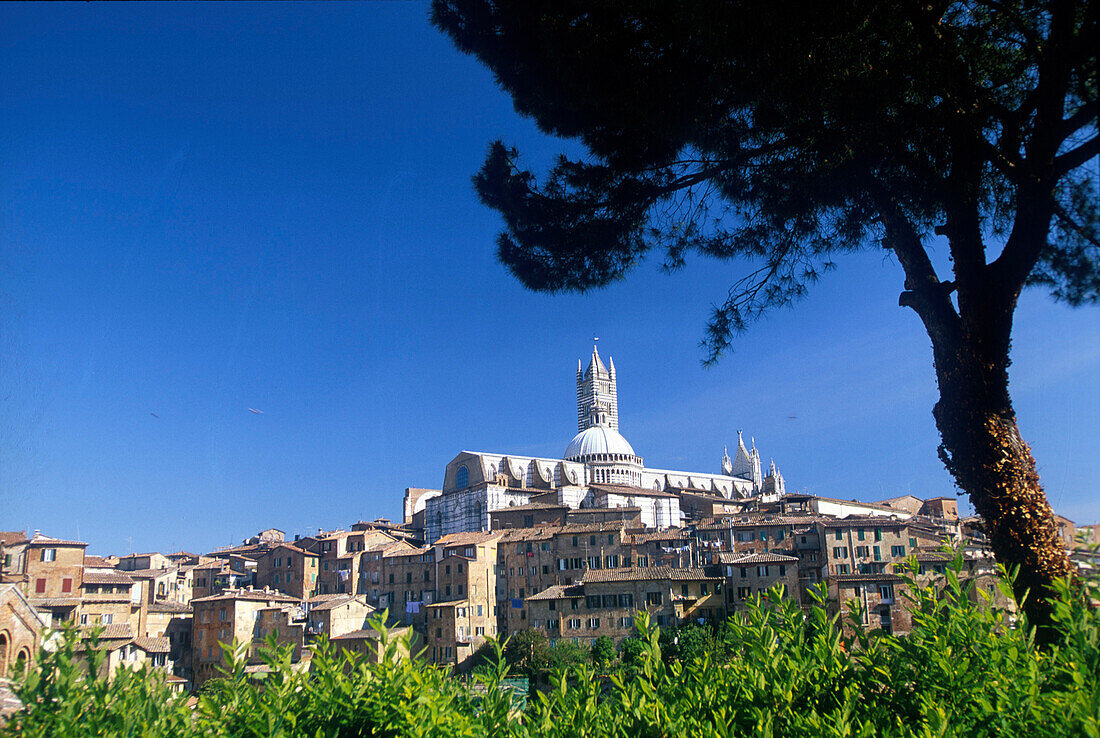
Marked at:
<point>211,208</point>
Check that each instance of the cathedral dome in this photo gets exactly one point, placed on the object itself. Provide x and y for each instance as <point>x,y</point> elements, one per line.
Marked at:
<point>599,439</point>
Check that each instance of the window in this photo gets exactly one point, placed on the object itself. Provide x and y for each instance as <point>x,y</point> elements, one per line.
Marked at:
<point>83,619</point>
<point>782,570</point>
<point>863,551</point>
<point>574,623</point>
<point>479,610</point>
<point>67,584</point>
<point>462,477</point>
<point>610,538</point>
<point>840,552</point>
<point>912,543</point>
<point>878,554</point>
<point>703,589</point>
<point>391,577</point>
<point>593,623</point>
<point>886,591</point>
<point>683,590</point>
<point>763,535</point>
<point>39,586</point>
<point>626,600</point>
<point>743,593</point>
<point>592,540</point>
<point>528,521</point>
<point>761,571</point>
<point>838,535</point>
<point>897,551</point>
<point>221,614</point>
<point>574,540</point>
<point>49,554</point>
<point>654,598</point>
<point>878,534</point>
<point>843,569</point>
<point>107,618</point>
<point>860,534</point>
<point>276,579</point>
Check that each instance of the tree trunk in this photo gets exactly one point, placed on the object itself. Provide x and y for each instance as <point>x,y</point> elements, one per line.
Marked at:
<point>983,449</point>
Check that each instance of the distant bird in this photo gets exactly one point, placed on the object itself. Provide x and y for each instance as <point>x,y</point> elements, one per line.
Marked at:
<point>154,415</point>
<point>792,417</point>
<point>254,410</point>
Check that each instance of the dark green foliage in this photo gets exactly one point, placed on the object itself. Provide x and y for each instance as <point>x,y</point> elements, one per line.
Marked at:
<point>788,134</point>
<point>964,670</point>
<point>603,652</point>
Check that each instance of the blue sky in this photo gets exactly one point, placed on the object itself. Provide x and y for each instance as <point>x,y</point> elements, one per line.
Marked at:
<point>211,208</point>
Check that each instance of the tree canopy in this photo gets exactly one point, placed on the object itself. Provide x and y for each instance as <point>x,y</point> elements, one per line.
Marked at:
<point>746,129</point>
<point>787,134</point>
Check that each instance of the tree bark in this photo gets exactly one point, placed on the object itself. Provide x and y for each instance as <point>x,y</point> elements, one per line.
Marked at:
<point>983,449</point>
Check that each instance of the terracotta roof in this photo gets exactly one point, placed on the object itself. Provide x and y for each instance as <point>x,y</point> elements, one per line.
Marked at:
<point>466,539</point>
<point>169,607</point>
<point>645,573</point>
<point>541,533</point>
<point>628,491</point>
<point>153,645</point>
<point>92,577</point>
<point>672,534</point>
<point>401,551</point>
<point>292,547</point>
<point>867,578</point>
<point>756,521</point>
<point>337,602</point>
<point>447,603</point>
<point>97,562</point>
<point>558,592</point>
<point>181,554</point>
<point>760,558</point>
<point>151,573</point>
<point>10,537</point>
<point>49,602</point>
<point>112,631</point>
<point>41,540</point>
<point>257,595</point>
<point>864,521</point>
<point>367,634</point>
<point>607,526</point>
<point>532,506</point>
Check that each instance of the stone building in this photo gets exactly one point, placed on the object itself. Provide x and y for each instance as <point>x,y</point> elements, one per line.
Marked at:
<point>287,568</point>
<point>223,618</point>
<point>21,629</point>
<point>605,602</point>
<point>599,468</point>
<point>752,575</point>
<point>876,597</point>
<point>52,575</point>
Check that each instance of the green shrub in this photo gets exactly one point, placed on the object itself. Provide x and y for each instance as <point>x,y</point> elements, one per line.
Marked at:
<point>773,670</point>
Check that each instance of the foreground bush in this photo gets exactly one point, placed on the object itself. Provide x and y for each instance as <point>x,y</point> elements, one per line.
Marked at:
<point>964,670</point>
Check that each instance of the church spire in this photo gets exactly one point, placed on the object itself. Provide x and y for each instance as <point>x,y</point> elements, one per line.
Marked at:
<point>597,384</point>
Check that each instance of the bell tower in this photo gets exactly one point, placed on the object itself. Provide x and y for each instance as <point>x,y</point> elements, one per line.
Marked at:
<point>596,387</point>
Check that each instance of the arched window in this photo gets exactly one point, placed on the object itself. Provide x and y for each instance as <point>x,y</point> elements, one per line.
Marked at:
<point>462,478</point>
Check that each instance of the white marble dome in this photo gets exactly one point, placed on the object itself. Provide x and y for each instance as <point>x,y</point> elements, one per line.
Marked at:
<point>598,439</point>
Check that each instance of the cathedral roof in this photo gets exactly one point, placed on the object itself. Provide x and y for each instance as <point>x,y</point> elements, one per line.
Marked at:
<point>597,440</point>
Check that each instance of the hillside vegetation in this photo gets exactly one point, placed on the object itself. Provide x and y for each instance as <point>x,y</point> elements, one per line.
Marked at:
<point>774,670</point>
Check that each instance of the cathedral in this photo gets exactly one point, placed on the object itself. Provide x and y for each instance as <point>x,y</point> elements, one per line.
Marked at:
<point>599,469</point>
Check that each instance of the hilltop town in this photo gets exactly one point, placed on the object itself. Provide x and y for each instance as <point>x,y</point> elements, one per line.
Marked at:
<point>573,548</point>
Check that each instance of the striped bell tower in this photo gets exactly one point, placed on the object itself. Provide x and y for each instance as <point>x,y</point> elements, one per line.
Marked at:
<point>596,385</point>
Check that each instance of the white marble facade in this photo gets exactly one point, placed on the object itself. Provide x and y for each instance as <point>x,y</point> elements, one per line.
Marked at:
<point>477,483</point>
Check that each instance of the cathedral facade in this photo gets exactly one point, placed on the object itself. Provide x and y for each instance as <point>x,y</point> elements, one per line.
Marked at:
<point>599,468</point>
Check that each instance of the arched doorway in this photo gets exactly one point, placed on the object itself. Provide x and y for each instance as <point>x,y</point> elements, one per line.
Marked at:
<point>5,646</point>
